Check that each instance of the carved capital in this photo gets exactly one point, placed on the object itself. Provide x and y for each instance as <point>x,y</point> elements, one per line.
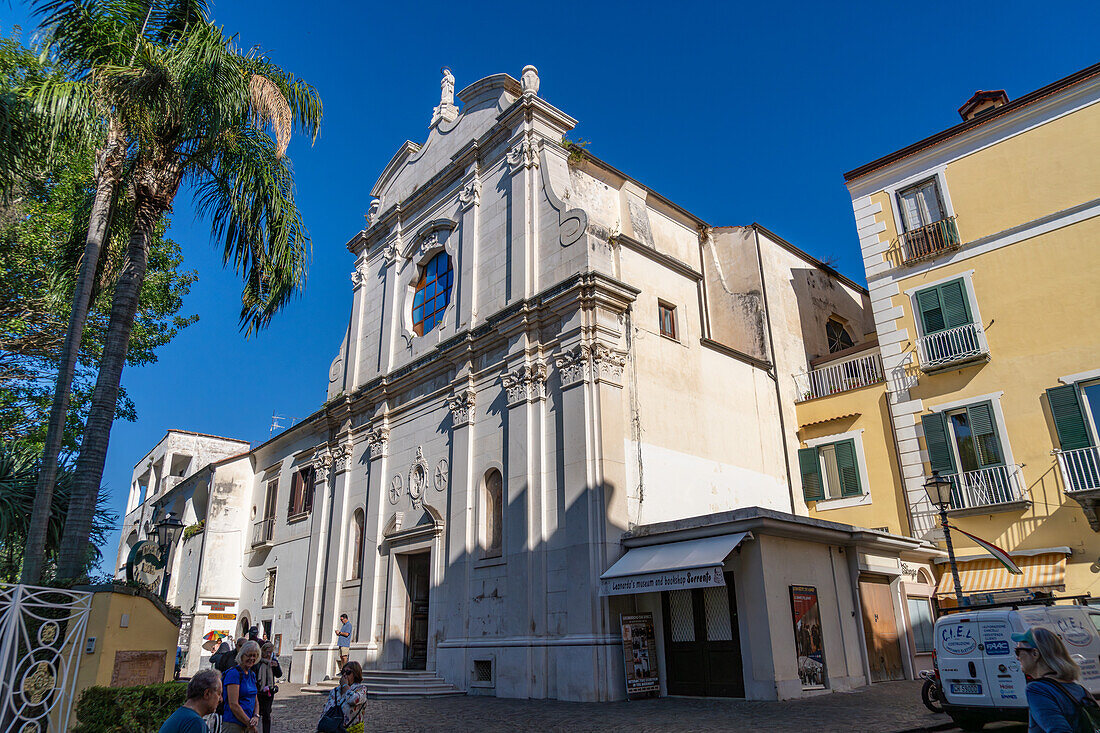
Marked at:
<point>574,366</point>
<point>470,195</point>
<point>341,458</point>
<point>461,405</point>
<point>523,155</point>
<point>378,440</point>
<point>608,364</point>
<point>526,384</point>
<point>322,465</point>
<point>359,276</point>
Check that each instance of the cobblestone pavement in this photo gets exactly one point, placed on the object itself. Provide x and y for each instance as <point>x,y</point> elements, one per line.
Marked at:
<point>885,707</point>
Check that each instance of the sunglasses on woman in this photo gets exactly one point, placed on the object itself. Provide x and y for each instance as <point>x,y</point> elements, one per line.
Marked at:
<point>1025,649</point>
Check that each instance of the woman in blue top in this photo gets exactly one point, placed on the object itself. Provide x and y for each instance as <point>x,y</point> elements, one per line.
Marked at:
<point>241,715</point>
<point>1053,695</point>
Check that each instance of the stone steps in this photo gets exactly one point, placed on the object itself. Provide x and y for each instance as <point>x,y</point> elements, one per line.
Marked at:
<point>395,683</point>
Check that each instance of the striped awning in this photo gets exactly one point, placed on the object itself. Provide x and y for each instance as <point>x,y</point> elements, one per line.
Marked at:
<point>1044,571</point>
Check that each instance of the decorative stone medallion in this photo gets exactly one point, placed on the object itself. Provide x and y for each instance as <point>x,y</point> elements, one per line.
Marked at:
<point>418,478</point>
<point>442,470</point>
<point>396,489</point>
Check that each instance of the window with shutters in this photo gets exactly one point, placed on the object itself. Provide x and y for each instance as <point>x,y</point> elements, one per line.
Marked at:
<point>831,470</point>
<point>1075,409</point>
<point>666,314</point>
<point>949,330</point>
<point>966,445</point>
<point>301,493</point>
<point>927,228</point>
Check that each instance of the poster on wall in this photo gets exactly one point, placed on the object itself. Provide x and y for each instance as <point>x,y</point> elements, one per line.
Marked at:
<point>807,636</point>
<point>640,656</point>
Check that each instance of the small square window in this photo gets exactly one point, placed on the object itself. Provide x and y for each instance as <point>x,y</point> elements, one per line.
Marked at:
<point>667,315</point>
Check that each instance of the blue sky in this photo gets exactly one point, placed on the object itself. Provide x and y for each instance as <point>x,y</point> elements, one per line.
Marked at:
<point>739,112</point>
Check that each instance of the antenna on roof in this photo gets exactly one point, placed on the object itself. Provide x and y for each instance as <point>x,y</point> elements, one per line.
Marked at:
<point>277,424</point>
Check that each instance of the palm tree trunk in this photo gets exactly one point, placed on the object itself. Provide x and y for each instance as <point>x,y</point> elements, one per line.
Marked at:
<point>155,188</point>
<point>108,173</point>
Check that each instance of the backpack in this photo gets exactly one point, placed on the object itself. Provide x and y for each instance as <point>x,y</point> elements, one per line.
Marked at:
<point>1088,712</point>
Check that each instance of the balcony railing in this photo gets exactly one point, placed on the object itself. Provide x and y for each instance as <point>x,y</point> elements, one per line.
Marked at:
<point>986,487</point>
<point>929,240</point>
<point>945,348</point>
<point>1080,468</point>
<point>263,531</point>
<point>840,376</point>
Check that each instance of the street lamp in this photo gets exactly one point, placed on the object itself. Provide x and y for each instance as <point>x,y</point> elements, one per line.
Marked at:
<point>939,493</point>
<point>168,531</point>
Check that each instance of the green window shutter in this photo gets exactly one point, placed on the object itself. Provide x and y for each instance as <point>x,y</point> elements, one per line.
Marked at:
<point>956,309</point>
<point>848,468</point>
<point>931,314</point>
<point>1069,419</point>
<point>813,488</point>
<point>936,437</point>
<point>984,428</point>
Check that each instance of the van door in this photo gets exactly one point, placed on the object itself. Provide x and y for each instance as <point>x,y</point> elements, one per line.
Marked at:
<point>1077,626</point>
<point>961,663</point>
<point>1003,676</point>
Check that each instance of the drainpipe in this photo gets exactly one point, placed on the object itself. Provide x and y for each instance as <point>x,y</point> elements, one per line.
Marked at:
<point>774,373</point>
<point>853,572</point>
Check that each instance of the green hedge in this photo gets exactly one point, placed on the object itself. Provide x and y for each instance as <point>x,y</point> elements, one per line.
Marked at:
<point>128,709</point>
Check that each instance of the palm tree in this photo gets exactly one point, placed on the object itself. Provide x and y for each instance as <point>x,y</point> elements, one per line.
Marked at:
<point>87,39</point>
<point>200,110</point>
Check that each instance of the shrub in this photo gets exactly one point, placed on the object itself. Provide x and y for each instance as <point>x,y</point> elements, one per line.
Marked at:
<point>128,709</point>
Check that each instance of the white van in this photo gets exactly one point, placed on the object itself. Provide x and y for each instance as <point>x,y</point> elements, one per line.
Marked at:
<point>979,674</point>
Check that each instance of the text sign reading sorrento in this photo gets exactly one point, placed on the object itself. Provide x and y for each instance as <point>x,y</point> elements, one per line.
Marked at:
<point>654,582</point>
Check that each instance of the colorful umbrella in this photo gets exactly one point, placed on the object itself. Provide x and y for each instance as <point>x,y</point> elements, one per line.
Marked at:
<point>216,635</point>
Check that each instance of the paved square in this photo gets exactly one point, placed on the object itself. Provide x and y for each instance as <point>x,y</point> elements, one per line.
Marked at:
<point>886,707</point>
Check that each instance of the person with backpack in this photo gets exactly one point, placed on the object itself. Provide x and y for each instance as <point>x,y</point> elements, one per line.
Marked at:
<point>346,704</point>
<point>241,714</point>
<point>268,672</point>
<point>1056,703</point>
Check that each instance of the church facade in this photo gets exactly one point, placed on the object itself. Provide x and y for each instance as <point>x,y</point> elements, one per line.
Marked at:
<point>544,358</point>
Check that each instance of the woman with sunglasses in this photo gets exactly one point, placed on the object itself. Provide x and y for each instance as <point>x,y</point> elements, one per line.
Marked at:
<point>348,701</point>
<point>1054,698</point>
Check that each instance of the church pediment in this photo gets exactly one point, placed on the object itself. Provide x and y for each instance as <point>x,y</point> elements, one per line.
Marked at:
<point>417,524</point>
<point>451,129</point>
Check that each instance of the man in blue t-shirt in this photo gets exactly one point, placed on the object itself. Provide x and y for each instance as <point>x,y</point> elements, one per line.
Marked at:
<point>343,643</point>
<point>204,692</point>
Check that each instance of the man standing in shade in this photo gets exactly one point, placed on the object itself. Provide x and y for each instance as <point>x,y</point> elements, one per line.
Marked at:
<point>343,642</point>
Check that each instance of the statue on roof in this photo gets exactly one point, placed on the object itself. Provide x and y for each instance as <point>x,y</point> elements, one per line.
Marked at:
<point>446,111</point>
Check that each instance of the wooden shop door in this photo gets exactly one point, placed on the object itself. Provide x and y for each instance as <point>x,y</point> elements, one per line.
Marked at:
<point>702,643</point>
<point>880,631</point>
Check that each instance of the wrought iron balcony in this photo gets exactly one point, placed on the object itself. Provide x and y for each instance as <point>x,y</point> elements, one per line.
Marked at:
<point>839,376</point>
<point>1080,469</point>
<point>986,487</point>
<point>929,240</point>
<point>262,532</point>
<point>945,349</point>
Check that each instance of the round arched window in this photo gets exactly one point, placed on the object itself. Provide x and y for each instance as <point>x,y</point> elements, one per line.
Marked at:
<point>433,293</point>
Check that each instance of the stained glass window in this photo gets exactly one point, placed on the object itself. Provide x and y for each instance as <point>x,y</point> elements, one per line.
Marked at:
<point>433,293</point>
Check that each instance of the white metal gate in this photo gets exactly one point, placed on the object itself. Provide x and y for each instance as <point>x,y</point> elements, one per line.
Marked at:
<point>41,641</point>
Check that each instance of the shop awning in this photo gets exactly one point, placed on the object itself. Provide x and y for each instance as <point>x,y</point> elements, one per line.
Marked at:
<point>671,566</point>
<point>1041,572</point>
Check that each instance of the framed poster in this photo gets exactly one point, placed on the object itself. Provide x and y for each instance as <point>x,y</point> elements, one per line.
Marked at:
<point>807,636</point>
<point>640,656</point>
<point>278,642</point>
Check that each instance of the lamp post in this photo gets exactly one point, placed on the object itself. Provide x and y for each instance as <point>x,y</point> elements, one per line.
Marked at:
<point>168,531</point>
<point>939,493</point>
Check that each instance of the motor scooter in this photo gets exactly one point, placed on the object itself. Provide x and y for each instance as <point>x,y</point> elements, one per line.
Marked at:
<point>930,692</point>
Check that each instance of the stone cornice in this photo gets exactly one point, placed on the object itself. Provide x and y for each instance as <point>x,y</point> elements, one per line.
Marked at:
<point>584,290</point>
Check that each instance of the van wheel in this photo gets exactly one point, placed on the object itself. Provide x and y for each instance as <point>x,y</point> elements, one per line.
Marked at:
<point>968,723</point>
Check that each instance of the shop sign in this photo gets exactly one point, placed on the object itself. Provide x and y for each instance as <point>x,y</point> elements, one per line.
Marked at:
<point>656,582</point>
<point>640,656</point>
<point>809,643</point>
<point>221,616</point>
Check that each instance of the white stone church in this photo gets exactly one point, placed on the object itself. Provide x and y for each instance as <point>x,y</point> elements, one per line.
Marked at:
<point>547,365</point>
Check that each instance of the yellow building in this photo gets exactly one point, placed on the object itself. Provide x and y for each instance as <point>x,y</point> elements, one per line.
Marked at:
<point>982,246</point>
